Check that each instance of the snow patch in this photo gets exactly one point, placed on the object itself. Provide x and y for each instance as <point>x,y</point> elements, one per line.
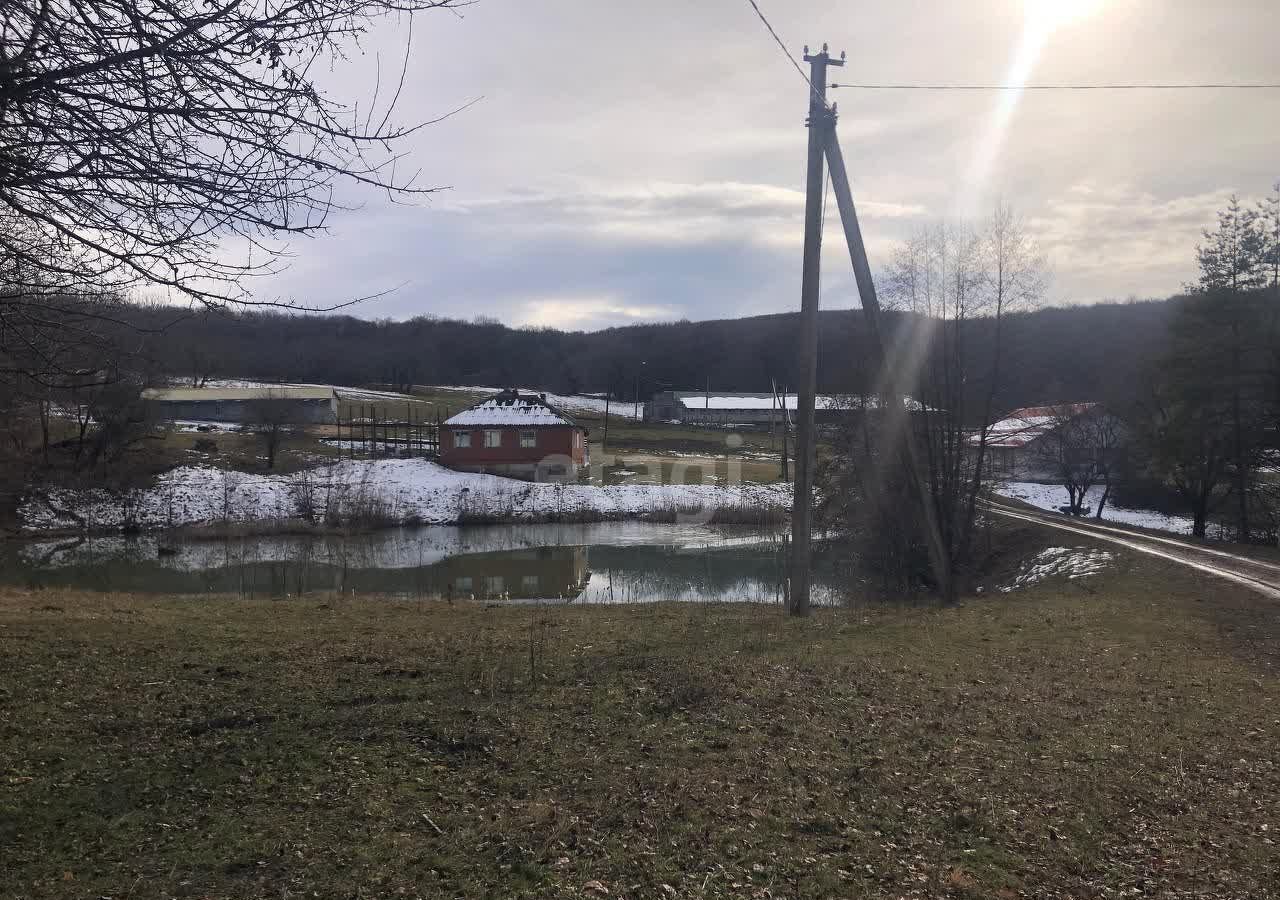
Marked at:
<point>1059,562</point>
<point>344,393</point>
<point>1052,496</point>
<point>186,426</point>
<point>404,489</point>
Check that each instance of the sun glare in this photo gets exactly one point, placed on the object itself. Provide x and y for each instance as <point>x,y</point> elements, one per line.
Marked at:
<point>1040,19</point>
<point>1055,13</point>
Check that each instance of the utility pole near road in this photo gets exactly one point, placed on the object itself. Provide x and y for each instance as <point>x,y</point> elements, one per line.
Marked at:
<point>821,122</point>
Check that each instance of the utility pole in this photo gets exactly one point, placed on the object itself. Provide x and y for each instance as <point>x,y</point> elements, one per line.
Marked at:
<point>786,431</point>
<point>773,414</point>
<point>820,123</point>
<point>636,412</point>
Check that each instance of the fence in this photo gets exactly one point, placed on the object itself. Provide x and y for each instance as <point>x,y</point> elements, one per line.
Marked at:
<point>371,431</point>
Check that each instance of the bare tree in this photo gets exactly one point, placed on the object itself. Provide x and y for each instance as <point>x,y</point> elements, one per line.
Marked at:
<point>172,144</point>
<point>1014,281</point>
<point>1082,447</point>
<point>956,281</point>
<point>937,277</point>
<point>120,418</point>
<point>138,136</point>
<point>1269,215</point>
<point>267,416</point>
<point>1110,440</point>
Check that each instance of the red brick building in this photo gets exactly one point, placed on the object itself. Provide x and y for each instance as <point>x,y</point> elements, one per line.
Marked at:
<point>515,434</point>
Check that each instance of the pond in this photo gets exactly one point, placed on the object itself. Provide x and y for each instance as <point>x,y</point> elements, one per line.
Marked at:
<point>615,562</point>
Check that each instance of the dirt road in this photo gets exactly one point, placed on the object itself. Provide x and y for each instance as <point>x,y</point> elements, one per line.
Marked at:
<point>1262,577</point>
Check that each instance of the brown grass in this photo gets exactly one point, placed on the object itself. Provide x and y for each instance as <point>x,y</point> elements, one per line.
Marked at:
<point>1062,741</point>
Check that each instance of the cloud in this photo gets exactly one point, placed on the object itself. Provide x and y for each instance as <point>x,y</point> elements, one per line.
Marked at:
<point>1116,240</point>
<point>637,161</point>
<point>587,313</point>
<point>661,212</point>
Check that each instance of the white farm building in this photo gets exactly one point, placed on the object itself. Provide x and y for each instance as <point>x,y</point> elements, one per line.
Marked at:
<point>732,408</point>
<point>295,404</point>
<point>738,408</point>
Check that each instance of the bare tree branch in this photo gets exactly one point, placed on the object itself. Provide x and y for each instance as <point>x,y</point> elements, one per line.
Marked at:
<point>138,136</point>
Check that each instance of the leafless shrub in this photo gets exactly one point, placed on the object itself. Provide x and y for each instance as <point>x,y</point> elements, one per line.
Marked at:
<point>950,279</point>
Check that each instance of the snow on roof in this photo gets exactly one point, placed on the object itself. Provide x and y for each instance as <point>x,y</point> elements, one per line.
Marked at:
<point>511,408</point>
<point>691,400</point>
<point>1022,426</point>
<point>263,392</point>
<point>736,401</point>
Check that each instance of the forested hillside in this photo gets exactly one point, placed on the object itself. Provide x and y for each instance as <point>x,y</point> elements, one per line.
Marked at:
<point>1060,354</point>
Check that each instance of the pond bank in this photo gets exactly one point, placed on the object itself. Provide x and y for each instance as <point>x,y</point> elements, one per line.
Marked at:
<point>356,495</point>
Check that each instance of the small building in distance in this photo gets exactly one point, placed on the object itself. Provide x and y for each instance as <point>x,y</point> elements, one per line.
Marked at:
<point>734,408</point>
<point>515,434</point>
<point>1035,443</point>
<point>291,404</point>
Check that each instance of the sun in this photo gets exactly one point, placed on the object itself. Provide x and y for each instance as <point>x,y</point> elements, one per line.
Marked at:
<point>1052,14</point>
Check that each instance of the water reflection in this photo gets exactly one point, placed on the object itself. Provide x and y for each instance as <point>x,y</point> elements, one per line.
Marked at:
<point>600,563</point>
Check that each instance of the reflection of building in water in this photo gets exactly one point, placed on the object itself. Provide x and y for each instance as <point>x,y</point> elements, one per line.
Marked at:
<point>599,573</point>
<point>542,574</point>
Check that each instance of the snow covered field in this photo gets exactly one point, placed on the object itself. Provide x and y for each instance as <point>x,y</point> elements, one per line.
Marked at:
<point>579,403</point>
<point>1059,562</point>
<point>350,394</point>
<point>401,490</point>
<point>1052,496</point>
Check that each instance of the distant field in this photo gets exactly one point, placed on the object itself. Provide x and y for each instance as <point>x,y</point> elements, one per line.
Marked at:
<point>1065,741</point>
<point>663,453</point>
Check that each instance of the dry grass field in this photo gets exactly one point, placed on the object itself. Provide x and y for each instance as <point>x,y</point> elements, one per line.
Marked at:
<point>1076,739</point>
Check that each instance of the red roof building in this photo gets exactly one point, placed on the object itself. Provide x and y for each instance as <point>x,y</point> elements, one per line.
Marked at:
<point>515,434</point>
<point>1022,445</point>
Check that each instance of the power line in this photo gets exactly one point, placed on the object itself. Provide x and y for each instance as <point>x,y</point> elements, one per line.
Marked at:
<point>1189,86</point>
<point>785,52</point>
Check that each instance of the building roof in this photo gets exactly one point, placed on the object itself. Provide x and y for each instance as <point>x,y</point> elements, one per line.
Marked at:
<point>215,394</point>
<point>731,401</point>
<point>1022,426</point>
<point>722,400</point>
<point>512,408</point>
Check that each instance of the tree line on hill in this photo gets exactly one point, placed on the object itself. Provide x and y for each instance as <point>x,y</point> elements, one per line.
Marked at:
<point>105,350</point>
<point>1060,354</point>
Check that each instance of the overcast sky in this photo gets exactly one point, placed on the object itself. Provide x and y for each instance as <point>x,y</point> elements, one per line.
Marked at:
<point>633,162</point>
